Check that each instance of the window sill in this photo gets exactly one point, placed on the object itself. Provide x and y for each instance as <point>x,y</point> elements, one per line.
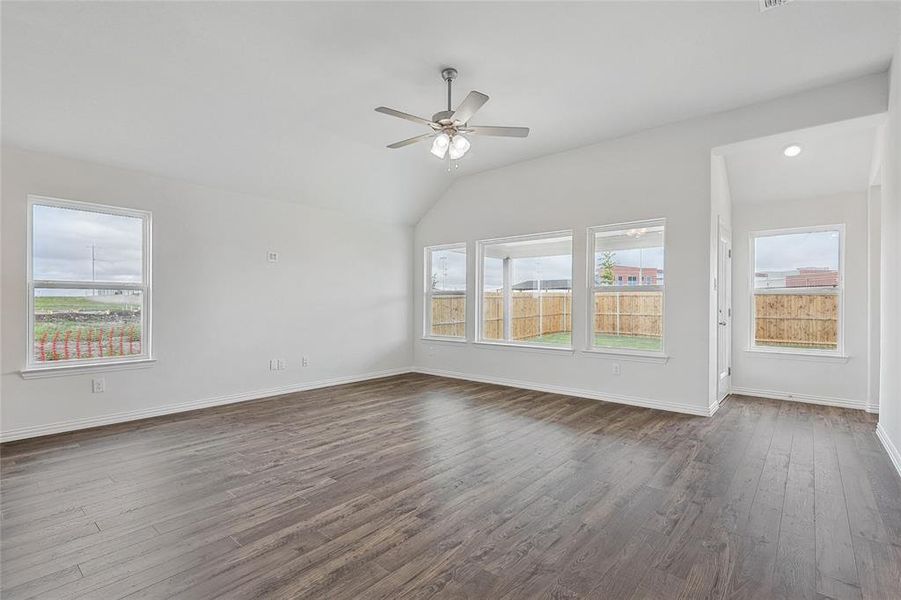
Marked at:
<point>798,355</point>
<point>451,340</point>
<point>63,370</point>
<point>523,347</point>
<point>635,355</point>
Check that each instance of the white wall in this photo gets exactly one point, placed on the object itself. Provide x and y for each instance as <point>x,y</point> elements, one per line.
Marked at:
<point>784,375</point>
<point>890,349</point>
<point>340,294</point>
<point>663,172</point>
<point>874,262</point>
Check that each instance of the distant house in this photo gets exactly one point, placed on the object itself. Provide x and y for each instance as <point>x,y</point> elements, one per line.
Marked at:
<point>812,277</point>
<point>624,275</point>
<point>797,278</point>
<point>543,284</point>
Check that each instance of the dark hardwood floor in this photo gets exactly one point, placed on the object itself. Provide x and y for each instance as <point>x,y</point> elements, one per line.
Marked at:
<point>420,487</point>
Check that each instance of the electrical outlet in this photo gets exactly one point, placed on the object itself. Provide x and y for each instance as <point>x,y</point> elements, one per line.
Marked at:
<point>272,256</point>
<point>98,385</point>
<point>305,361</point>
<point>282,365</point>
<point>616,370</point>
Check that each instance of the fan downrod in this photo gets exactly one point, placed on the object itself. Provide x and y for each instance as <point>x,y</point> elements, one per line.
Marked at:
<point>444,117</point>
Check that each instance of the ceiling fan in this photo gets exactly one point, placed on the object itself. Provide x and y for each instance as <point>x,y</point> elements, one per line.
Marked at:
<point>449,126</point>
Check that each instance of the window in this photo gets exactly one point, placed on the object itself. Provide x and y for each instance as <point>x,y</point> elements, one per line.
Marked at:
<point>525,294</point>
<point>797,289</point>
<point>626,279</point>
<point>445,291</point>
<point>88,284</point>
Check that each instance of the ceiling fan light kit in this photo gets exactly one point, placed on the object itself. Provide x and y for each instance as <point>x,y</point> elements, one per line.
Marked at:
<point>448,126</point>
<point>440,145</point>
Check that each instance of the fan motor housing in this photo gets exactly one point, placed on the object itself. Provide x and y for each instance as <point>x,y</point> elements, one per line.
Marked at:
<point>444,115</point>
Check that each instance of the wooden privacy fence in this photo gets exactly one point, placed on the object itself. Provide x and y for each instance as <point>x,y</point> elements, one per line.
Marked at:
<point>802,320</point>
<point>629,313</point>
<point>805,320</point>
<point>623,312</point>
<point>532,314</point>
<point>449,315</point>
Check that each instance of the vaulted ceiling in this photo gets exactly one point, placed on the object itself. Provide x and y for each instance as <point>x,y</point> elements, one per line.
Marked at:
<point>277,99</point>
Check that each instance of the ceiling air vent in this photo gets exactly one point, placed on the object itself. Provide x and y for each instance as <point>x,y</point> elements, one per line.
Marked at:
<point>766,5</point>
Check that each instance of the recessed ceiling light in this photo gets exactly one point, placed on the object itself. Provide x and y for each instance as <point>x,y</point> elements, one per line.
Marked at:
<point>792,150</point>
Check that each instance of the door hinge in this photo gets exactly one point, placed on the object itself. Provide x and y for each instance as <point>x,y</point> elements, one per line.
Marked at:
<point>729,311</point>
<point>728,370</point>
<point>729,253</point>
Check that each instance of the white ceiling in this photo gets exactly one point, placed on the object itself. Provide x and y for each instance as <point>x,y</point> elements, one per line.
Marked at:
<point>834,158</point>
<point>276,98</point>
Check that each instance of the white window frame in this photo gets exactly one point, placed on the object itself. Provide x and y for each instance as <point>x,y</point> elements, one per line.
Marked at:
<point>838,290</point>
<point>593,288</point>
<point>480,285</point>
<point>33,367</point>
<point>427,292</point>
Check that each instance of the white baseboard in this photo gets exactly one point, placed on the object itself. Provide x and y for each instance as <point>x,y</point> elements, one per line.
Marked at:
<point>21,433</point>
<point>808,398</point>
<point>890,447</point>
<point>581,393</point>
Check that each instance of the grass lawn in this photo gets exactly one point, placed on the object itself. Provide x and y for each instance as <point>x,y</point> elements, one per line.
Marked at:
<point>75,303</point>
<point>84,315</point>
<point>564,338</point>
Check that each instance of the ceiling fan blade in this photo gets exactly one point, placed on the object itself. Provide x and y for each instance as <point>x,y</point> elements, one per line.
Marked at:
<point>520,132</point>
<point>403,115</point>
<point>412,140</point>
<point>469,106</point>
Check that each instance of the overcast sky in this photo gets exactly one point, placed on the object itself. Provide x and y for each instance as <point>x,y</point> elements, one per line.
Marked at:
<point>792,251</point>
<point>773,253</point>
<point>63,239</point>
<point>449,267</point>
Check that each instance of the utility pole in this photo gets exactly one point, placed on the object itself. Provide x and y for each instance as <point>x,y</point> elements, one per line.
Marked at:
<point>640,264</point>
<point>93,248</point>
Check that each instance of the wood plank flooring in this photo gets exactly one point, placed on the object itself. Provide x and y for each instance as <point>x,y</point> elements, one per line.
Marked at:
<point>423,487</point>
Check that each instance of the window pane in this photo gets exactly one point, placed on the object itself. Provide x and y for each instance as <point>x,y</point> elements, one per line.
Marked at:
<point>86,325</point>
<point>797,260</point>
<point>628,319</point>
<point>807,321</point>
<point>79,245</point>
<point>543,317</point>
<point>448,287</point>
<point>540,286</point>
<point>629,270</point>
<point>493,299</point>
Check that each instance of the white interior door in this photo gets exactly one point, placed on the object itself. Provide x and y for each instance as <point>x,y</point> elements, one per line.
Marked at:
<point>724,312</point>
